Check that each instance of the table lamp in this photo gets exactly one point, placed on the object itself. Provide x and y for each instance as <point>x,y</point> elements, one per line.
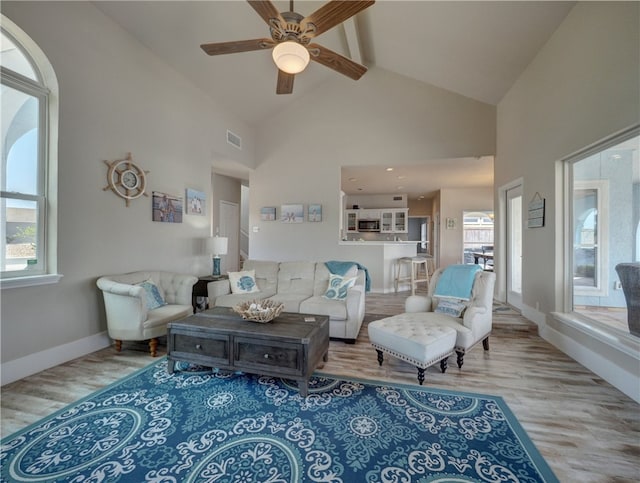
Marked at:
<point>216,246</point>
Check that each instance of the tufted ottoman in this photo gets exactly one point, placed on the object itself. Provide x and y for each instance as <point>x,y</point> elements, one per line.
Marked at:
<point>409,338</point>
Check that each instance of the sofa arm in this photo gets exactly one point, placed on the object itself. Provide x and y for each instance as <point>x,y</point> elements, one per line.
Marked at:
<point>355,303</point>
<point>123,301</point>
<point>417,303</point>
<point>217,288</point>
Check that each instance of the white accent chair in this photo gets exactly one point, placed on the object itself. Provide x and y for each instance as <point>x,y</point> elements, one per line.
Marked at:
<point>126,305</point>
<point>476,322</point>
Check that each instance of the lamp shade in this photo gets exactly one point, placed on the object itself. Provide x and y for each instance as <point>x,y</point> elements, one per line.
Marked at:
<point>290,57</point>
<point>217,245</point>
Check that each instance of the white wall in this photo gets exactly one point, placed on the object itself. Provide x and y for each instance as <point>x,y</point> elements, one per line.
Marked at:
<point>115,97</point>
<point>580,88</point>
<point>347,123</point>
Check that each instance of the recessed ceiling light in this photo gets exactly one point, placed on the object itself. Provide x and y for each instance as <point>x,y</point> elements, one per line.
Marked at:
<point>399,187</point>
<point>353,179</point>
<point>401,177</point>
<point>389,169</point>
<point>421,197</point>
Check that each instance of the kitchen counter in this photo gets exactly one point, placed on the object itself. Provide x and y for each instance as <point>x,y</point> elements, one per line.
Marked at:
<point>379,256</point>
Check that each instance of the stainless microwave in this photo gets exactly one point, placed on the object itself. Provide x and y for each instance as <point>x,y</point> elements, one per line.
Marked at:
<point>368,225</point>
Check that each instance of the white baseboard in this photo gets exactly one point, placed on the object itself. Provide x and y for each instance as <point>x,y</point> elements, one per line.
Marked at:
<point>615,361</point>
<point>26,366</point>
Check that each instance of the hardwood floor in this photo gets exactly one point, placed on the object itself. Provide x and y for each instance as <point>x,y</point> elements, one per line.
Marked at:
<point>587,430</point>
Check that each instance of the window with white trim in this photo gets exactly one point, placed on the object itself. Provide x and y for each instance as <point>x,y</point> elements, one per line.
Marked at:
<point>603,184</point>
<point>27,239</point>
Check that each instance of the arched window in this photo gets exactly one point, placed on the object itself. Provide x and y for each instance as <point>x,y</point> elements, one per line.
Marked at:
<point>28,99</point>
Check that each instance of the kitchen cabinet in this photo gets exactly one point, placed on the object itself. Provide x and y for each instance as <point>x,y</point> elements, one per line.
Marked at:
<point>351,220</point>
<point>394,220</point>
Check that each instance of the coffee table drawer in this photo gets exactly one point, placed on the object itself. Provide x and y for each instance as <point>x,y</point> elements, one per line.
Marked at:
<point>213,348</point>
<point>286,357</point>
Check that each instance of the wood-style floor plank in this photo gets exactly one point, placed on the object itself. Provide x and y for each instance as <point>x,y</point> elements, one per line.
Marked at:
<point>587,430</point>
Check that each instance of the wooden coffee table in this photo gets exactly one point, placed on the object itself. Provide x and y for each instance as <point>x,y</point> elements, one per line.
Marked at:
<point>290,346</point>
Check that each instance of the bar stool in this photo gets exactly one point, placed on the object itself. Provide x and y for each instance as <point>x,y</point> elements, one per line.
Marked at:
<point>418,271</point>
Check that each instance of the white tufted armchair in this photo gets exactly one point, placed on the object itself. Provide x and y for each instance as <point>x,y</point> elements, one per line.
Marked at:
<point>476,321</point>
<point>125,303</point>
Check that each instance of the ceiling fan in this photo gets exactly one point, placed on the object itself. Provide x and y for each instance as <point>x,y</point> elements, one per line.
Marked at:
<point>291,35</point>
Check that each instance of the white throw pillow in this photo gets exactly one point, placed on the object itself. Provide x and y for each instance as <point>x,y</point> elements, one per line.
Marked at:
<point>338,286</point>
<point>243,282</point>
<point>453,308</point>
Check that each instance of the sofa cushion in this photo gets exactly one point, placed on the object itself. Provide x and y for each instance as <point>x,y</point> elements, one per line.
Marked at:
<point>338,286</point>
<point>335,309</point>
<point>231,300</point>
<point>152,295</point>
<point>266,274</point>
<point>296,278</point>
<point>243,282</point>
<point>291,301</point>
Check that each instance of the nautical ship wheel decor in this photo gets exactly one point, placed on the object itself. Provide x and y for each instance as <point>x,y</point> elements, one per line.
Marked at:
<point>126,179</point>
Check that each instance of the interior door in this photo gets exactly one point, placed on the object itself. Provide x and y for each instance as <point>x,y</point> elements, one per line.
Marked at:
<point>514,246</point>
<point>230,227</point>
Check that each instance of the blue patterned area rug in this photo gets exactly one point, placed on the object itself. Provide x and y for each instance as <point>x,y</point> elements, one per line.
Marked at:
<point>195,426</point>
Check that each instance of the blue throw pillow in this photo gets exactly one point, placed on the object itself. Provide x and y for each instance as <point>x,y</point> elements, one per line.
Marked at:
<point>451,307</point>
<point>154,298</point>
<point>338,286</point>
<point>243,282</point>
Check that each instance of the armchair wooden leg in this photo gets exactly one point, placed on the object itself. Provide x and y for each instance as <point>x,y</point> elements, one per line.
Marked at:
<point>380,356</point>
<point>444,363</point>
<point>485,344</point>
<point>153,347</point>
<point>460,359</point>
<point>118,344</point>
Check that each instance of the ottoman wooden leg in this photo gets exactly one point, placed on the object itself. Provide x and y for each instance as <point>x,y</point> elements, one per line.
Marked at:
<point>485,344</point>
<point>420,375</point>
<point>118,344</point>
<point>460,360</point>
<point>444,363</point>
<point>380,356</point>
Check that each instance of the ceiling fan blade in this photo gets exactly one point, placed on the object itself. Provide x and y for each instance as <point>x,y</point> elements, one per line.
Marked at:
<point>332,14</point>
<point>285,83</point>
<point>335,61</point>
<point>266,10</point>
<point>237,46</point>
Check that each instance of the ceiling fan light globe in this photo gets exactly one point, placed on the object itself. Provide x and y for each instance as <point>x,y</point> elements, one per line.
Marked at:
<point>290,57</point>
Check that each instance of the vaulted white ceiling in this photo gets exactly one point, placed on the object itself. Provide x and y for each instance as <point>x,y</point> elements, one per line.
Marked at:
<point>477,49</point>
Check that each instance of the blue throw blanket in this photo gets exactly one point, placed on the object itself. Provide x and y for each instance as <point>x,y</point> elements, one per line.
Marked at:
<point>456,281</point>
<point>341,268</point>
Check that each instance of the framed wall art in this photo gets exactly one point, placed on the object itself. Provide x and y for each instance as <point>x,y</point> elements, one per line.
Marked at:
<point>268,213</point>
<point>314,213</point>
<point>166,208</point>
<point>292,213</point>
<point>196,201</point>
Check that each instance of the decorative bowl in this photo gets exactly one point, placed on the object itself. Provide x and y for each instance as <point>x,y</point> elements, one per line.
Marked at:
<point>261,311</point>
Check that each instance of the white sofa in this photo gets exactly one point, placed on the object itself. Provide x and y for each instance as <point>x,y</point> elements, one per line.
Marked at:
<point>125,303</point>
<point>301,286</point>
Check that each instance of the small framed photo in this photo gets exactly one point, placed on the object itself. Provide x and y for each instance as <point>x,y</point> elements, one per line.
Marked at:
<point>196,201</point>
<point>268,213</point>
<point>451,223</point>
<point>292,213</point>
<point>314,213</point>
<point>166,208</point>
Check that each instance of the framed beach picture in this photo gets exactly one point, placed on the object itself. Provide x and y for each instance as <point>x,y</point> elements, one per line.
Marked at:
<point>166,208</point>
<point>292,213</point>
<point>314,213</point>
<point>268,213</point>
<point>196,201</point>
